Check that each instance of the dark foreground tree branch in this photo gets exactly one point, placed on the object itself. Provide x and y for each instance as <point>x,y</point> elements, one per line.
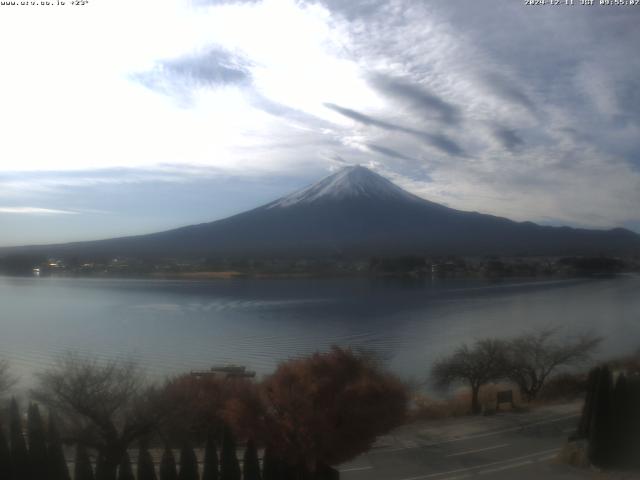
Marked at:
<point>474,365</point>
<point>533,357</point>
<point>102,405</point>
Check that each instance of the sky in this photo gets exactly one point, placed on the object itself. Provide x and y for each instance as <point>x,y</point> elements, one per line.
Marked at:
<point>120,117</point>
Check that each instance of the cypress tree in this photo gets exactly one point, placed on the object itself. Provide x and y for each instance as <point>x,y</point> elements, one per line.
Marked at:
<point>587,409</point>
<point>57,463</point>
<point>292,472</point>
<point>599,451</point>
<point>210,471</point>
<point>101,468</point>
<point>621,413</point>
<point>146,470</point>
<point>168,466</point>
<point>5,456</point>
<point>270,465</point>
<point>37,444</point>
<point>634,421</point>
<point>229,466</point>
<point>251,464</point>
<point>188,463</point>
<point>125,472</point>
<point>82,469</point>
<point>19,452</point>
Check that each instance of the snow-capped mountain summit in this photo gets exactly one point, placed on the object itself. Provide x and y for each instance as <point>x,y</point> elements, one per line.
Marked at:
<point>358,213</point>
<point>348,183</point>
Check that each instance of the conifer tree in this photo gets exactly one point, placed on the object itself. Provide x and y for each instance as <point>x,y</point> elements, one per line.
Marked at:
<point>125,472</point>
<point>587,409</point>
<point>634,421</point>
<point>5,456</point>
<point>146,470</point>
<point>168,466</point>
<point>600,430</point>
<point>270,465</point>
<point>210,471</point>
<point>293,472</point>
<point>101,468</point>
<point>82,469</point>
<point>56,461</point>
<point>229,466</point>
<point>188,463</point>
<point>19,452</point>
<point>251,463</point>
<point>619,420</point>
<point>37,444</point>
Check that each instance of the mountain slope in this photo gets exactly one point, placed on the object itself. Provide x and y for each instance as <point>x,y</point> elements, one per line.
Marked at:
<point>357,212</point>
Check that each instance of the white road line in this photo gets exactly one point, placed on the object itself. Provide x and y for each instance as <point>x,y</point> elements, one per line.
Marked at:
<point>504,430</point>
<point>547,458</point>
<point>391,450</point>
<point>467,452</point>
<point>355,469</point>
<point>505,467</point>
<point>477,435</point>
<point>490,464</point>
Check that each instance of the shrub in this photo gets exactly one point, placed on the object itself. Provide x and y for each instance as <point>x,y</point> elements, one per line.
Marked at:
<point>564,387</point>
<point>330,407</point>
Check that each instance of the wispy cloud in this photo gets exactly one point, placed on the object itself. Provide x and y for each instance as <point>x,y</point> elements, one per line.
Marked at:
<point>389,152</point>
<point>36,211</point>
<point>437,140</point>
<point>472,106</point>
<point>509,138</point>
<point>419,98</point>
<point>215,67</point>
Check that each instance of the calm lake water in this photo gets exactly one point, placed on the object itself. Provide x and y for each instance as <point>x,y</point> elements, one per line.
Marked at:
<point>174,326</point>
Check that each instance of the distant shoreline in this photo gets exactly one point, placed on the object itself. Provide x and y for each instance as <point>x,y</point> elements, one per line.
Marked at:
<point>236,275</point>
<point>231,274</point>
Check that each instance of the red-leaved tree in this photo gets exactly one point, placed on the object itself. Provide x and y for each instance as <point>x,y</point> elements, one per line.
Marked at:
<point>330,407</point>
<point>203,404</point>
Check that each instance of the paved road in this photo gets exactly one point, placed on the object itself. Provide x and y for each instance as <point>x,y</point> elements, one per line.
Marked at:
<point>504,446</point>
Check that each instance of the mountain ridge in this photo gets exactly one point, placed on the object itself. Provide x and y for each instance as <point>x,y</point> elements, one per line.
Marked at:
<point>349,182</point>
<point>356,212</point>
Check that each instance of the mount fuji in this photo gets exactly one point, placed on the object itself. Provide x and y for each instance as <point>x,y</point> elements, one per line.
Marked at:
<point>356,212</point>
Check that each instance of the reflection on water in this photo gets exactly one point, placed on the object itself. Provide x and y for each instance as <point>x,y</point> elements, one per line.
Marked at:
<point>178,326</point>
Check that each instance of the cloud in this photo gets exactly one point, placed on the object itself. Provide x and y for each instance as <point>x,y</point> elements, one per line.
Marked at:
<point>508,90</point>
<point>389,152</point>
<point>509,138</point>
<point>362,118</point>
<point>559,118</point>
<point>284,111</point>
<point>35,211</point>
<point>51,181</point>
<point>421,99</point>
<point>213,68</point>
<point>352,10</point>
<point>439,141</point>
<point>510,110</point>
<point>443,143</point>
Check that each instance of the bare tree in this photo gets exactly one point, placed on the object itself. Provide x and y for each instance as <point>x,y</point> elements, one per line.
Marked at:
<point>7,380</point>
<point>533,357</point>
<point>475,365</point>
<point>105,406</point>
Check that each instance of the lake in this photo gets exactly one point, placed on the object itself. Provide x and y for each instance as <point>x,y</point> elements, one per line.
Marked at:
<point>177,326</point>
